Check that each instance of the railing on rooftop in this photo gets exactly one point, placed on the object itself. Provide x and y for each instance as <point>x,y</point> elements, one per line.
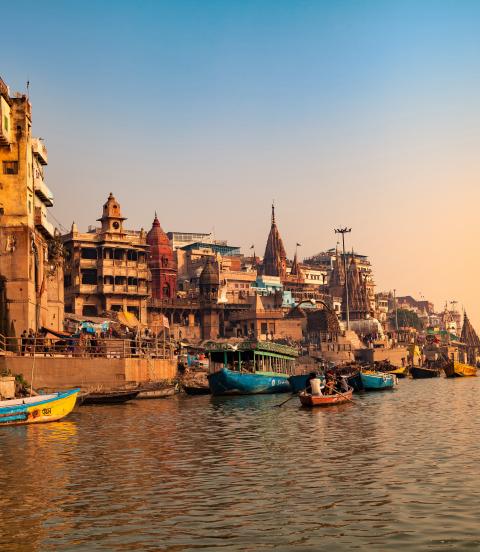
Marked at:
<point>70,347</point>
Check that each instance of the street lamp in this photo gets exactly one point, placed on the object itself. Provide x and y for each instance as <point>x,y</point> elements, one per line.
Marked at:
<point>344,231</point>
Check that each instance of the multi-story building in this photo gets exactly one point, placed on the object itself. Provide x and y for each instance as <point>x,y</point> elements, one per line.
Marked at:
<point>31,274</point>
<point>106,268</point>
<point>161,262</point>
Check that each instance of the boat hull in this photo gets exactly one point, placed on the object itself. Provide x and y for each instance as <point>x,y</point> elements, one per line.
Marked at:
<point>118,397</point>
<point>228,382</point>
<point>35,410</point>
<point>377,381</point>
<point>400,372</point>
<point>418,372</point>
<point>196,390</point>
<point>459,370</point>
<point>325,400</point>
<point>157,393</point>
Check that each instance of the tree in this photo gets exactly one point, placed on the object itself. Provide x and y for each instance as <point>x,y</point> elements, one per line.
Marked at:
<point>407,319</point>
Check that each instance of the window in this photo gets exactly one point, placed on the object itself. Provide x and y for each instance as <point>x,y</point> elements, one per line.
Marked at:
<point>264,328</point>
<point>89,277</point>
<point>5,122</point>
<point>10,167</point>
<point>89,253</point>
<point>89,310</point>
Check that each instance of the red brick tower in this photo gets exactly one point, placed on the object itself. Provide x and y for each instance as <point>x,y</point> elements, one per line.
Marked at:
<point>161,263</point>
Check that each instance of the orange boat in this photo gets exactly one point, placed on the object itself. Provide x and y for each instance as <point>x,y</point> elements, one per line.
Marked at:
<point>325,400</point>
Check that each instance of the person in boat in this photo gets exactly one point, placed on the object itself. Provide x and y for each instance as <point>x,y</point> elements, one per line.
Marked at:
<point>308,387</point>
<point>330,382</point>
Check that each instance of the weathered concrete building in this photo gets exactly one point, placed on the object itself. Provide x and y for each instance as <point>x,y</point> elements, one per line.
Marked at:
<point>31,275</point>
<point>106,268</point>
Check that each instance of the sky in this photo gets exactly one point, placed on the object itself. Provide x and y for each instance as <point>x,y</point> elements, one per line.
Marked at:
<point>354,113</point>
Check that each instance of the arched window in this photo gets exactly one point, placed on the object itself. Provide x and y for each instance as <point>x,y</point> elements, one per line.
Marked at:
<point>166,289</point>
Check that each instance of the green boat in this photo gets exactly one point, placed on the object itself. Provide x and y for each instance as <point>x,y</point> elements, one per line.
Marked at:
<point>250,367</point>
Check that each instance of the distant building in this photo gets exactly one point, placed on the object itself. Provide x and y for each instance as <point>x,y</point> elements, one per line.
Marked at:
<point>106,268</point>
<point>181,239</point>
<point>31,272</point>
<point>275,258</point>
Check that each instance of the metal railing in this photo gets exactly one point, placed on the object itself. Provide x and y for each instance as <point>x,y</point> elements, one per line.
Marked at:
<point>81,347</point>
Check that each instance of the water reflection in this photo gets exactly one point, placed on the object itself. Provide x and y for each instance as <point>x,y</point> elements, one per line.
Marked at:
<point>390,471</point>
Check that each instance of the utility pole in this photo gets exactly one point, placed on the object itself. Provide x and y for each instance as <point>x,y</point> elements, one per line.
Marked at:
<point>344,231</point>
<point>395,307</point>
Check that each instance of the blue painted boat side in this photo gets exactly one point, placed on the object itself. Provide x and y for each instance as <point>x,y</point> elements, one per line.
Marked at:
<point>228,382</point>
<point>380,381</point>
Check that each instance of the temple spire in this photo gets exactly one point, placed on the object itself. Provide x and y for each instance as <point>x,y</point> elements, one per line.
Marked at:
<point>273,214</point>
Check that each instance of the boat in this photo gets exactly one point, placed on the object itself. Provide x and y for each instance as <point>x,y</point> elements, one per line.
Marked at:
<point>38,409</point>
<point>376,381</point>
<point>109,397</point>
<point>162,393</point>
<point>454,369</point>
<point>196,389</point>
<point>354,380</point>
<point>307,399</point>
<point>298,382</point>
<point>250,367</point>
<point>422,372</point>
<point>401,372</point>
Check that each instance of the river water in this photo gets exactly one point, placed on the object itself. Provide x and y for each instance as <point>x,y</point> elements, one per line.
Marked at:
<point>395,469</point>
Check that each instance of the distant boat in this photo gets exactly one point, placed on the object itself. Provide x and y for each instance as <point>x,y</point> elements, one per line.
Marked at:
<point>422,372</point>
<point>163,393</point>
<point>250,367</point>
<point>38,409</point>
<point>196,389</point>
<point>308,399</point>
<point>376,381</point>
<point>109,397</point>
<point>454,369</point>
<point>401,372</point>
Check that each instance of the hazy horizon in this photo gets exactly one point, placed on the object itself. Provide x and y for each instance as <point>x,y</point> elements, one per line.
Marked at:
<point>363,114</point>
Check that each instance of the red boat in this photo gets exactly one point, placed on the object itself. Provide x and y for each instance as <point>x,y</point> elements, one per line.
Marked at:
<point>325,400</point>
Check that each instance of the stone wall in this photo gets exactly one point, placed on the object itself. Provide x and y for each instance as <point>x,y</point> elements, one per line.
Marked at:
<point>87,373</point>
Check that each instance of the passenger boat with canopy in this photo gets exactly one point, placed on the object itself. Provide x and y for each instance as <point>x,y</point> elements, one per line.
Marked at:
<point>250,367</point>
<point>38,409</point>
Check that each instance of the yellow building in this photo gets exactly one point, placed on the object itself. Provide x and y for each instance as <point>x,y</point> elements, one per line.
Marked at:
<point>106,268</point>
<point>31,274</point>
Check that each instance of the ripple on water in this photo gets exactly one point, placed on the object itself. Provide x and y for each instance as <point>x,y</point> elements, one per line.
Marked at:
<point>393,470</point>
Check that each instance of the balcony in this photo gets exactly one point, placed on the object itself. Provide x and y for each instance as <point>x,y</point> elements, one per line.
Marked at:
<point>42,190</point>
<point>42,224</point>
<point>40,151</point>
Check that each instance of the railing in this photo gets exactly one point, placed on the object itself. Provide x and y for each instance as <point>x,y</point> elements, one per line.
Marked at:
<point>86,346</point>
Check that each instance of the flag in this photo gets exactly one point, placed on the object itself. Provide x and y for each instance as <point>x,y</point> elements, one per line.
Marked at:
<point>252,247</point>
<point>299,245</point>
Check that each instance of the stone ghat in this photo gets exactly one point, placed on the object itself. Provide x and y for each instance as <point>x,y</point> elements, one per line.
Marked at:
<point>107,373</point>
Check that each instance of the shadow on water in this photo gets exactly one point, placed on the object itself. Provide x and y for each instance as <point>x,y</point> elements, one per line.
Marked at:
<point>391,471</point>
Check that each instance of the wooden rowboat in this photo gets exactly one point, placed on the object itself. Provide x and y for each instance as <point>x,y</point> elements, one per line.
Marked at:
<point>325,400</point>
<point>401,372</point>
<point>34,410</point>
<point>421,372</point>
<point>196,389</point>
<point>157,393</point>
<point>109,397</point>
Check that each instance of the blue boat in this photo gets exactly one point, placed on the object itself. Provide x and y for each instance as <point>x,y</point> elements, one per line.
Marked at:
<point>376,381</point>
<point>250,367</point>
<point>299,382</point>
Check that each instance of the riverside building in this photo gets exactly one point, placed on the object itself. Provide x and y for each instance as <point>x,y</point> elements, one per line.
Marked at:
<point>106,267</point>
<point>31,275</point>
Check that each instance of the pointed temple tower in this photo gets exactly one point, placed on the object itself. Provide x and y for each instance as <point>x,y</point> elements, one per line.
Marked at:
<point>275,258</point>
<point>161,263</point>
<point>209,284</point>
<point>296,270</point>
<point>357,293</point>
<point>470,340</point>
<point>337,277</point>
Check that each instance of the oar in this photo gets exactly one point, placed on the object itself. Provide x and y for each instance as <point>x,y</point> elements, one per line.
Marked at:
<point>342,395</point>
<point>289,399</point>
